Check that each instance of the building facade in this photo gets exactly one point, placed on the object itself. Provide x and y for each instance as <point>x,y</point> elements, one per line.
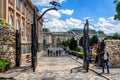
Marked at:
<point>19,14</point>
<point>55,38</point>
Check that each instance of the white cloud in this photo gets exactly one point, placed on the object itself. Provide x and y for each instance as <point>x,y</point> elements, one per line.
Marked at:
<point>67,12</point>
<point>63,25</point>
<point>103,24</point>
<point>86,18</point>
<point>108,25</point>
<point>72,20</point>
<point>45,2</point>
<point>101,19</point>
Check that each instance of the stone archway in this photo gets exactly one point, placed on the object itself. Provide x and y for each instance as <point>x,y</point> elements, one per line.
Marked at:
<point>7,44</point>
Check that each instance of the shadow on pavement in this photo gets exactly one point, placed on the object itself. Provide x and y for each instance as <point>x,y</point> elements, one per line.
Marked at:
<point>78,69</point>
<point>19,69</point>
<point>3,78</point>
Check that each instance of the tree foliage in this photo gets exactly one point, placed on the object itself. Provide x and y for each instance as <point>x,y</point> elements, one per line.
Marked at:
<point>66,43</point>
<point>94,40</point>
<point>116,36</point>
<point>117,15</point>
<point>73,44</point>
<point>81,41</point>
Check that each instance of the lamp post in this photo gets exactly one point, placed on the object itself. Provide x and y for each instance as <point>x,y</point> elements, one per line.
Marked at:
<point>18,48</point>
<point>34,33</point>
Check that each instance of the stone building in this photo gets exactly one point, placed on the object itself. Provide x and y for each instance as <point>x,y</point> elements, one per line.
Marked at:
<point>100,34</point>
<point>19,14</point>
<point>55,38</point>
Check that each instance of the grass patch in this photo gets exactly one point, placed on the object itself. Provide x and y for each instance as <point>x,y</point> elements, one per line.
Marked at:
<point>4,65</point>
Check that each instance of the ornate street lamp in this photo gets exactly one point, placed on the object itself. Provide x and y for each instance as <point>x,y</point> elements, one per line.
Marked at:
<point>34,32</point>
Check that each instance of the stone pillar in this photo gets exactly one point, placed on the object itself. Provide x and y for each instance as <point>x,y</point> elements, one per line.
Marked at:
<point>6,10</point>
<point>14,15</point>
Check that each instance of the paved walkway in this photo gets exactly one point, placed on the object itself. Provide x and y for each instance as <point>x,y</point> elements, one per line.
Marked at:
<point>114,72</point>
<point>54,68</point>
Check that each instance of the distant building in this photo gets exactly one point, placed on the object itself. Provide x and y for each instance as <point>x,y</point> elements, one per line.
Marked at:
<point>101,34</point>
<point>19,14</point>
<point>55,38</point>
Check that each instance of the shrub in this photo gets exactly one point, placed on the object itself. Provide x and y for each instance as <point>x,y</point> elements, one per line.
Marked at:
<point>80,54</point>
<point>3,22</point>
<point>4,65</point>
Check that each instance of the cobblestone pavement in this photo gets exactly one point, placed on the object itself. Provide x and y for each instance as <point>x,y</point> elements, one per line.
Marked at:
<point>54,68</point>
<point>114,72</point>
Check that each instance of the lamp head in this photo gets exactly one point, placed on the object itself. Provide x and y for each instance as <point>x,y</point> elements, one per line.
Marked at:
<point>54,3</point>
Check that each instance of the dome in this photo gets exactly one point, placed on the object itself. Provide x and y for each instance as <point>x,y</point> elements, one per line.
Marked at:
<point>46,30</point>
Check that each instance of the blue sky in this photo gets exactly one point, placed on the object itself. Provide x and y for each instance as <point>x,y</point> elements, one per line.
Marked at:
<point>90,8</point>
<point>72,14</point>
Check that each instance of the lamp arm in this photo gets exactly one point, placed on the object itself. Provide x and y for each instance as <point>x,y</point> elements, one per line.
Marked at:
<point>45,12</point>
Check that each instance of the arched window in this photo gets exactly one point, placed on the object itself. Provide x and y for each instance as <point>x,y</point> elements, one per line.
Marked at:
<point>17,3</point>
<point>22,30</point>
<point>17,24</point>
<point>11,20</point>
<point>11,0</point>
<point>23,7</point>
<point>29,31</point>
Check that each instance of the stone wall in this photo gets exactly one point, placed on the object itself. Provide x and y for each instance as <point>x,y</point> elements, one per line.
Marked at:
<point>113,48</point>
<point>7,44</point>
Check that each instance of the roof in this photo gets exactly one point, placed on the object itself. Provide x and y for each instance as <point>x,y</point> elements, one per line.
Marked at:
<point>99,31</point>
<point>76,29</point>
<point>79,29</point>
<point>46,30</point>
<point>70,32</point>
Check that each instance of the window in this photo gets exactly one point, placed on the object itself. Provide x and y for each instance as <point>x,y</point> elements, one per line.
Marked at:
<point>29,14</point>
<point>17,24</point>
<point>11,20</point>
<point>11,0</point>
<point>22,30</point>
<point>23,7</point>
<point>29,31</point>
<point>17,3</point>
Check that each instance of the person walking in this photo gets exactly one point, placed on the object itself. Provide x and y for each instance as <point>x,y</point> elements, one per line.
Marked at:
<point>105,61</point>
<point>59,52</point>
<point>56,53</point>
<point>48,51</point>
<point>90,56</point>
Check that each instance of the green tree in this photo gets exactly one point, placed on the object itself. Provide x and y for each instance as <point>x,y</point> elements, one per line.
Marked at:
<point>81,41</point>
<point>117,15</point>
<point>65,43</point>
<point>116,36</point>
<point>93,40</point>
<point>108,38</point>
<point>73,44</point>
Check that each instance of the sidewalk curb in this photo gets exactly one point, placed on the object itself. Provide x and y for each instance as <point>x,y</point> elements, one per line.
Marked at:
<point>102,75</point>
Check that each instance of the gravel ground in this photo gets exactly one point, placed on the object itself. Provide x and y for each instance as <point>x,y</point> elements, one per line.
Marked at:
<point>53,68</point>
